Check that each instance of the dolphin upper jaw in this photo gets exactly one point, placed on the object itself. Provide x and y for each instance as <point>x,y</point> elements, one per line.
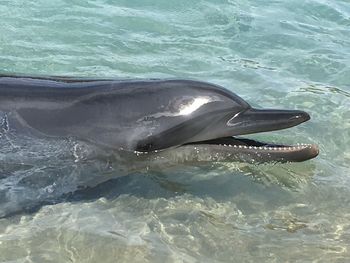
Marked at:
<point>262,120</point>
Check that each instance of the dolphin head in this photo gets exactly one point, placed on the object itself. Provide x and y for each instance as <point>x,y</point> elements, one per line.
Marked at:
<point>216,123</point>
<point>147,116</point>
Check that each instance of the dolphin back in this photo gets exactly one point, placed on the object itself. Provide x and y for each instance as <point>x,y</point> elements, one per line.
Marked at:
<point>132,115</point>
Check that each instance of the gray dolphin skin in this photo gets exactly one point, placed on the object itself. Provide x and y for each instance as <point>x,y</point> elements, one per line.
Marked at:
<point>177,119</point>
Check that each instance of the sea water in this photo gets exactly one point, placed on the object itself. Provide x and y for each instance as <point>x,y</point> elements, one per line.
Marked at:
<point>273,53</point>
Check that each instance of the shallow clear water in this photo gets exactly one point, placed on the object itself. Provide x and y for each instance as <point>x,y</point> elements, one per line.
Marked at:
<point>281,54</point>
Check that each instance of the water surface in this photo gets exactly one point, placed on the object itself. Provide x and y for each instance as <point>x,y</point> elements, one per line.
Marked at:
<point>278,54</point>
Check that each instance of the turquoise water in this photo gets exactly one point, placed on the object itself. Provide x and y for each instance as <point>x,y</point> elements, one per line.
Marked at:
<point>281,54</point>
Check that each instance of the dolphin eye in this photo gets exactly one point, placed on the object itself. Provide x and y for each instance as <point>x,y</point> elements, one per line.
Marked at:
<point>231,122</point>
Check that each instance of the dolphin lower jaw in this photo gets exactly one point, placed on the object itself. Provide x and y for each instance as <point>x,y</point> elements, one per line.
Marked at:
<point>231,149</point>
<point>247,150</point>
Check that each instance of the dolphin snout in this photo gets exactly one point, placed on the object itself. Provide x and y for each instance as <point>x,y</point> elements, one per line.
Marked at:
<point>262,120</point>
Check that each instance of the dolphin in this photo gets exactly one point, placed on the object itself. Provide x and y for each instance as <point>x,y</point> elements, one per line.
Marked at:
<point>175,119</point>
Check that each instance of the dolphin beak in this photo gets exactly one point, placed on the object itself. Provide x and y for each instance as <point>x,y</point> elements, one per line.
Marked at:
<point>263,120</point>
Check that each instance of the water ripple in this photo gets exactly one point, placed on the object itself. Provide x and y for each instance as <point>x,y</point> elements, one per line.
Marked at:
<point>278,54</point>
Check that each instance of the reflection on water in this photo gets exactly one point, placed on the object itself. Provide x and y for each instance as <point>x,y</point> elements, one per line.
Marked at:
<point>319,88</point>
<point>57,204</point>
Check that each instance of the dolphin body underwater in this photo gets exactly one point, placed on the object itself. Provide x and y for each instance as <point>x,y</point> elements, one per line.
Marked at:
<point>181,120</point>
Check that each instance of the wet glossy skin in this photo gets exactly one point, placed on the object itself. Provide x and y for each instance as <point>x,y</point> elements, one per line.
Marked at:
<point>138,115</point>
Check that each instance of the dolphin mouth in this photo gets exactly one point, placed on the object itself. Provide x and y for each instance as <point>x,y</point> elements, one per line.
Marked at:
<point>218,141</point>
<point>253,121</point>
<point>256,151</point>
